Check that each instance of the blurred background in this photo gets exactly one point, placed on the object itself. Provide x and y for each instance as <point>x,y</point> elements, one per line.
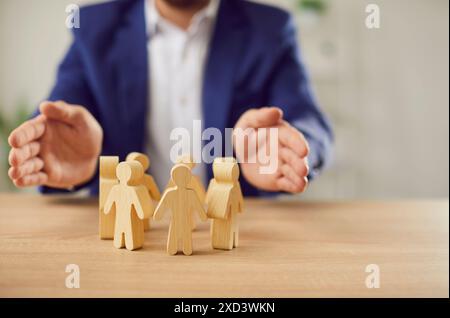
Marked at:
<point>385,90</point>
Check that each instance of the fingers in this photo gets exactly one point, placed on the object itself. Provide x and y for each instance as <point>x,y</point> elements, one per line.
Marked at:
<point>27,132</point>
<point>25,166</point>
<point>294,170</point>
<point>18,156</point>
<point>69,114</point>
<point>298,164</point>
<point>31,166</point>
<point>290,137</point>
<point>262,117</point>
<point>286,182</point>
<point>34,179</point>
<point>299,182</point>
<point>286,185</point>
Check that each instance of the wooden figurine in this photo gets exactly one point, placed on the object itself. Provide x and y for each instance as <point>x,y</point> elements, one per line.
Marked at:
<point>132,204</point>
<point>195,183</point>
<point>224,199</point>
<point>148,180</point>
<point>107,179</point>
<point>180,200</point>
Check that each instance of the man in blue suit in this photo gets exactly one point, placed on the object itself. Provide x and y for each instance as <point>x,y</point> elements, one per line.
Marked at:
<point>138,68</point>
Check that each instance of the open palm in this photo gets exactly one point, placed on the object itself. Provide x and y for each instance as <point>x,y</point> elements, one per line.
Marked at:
<point>58,148</point>
<point>291,170</point>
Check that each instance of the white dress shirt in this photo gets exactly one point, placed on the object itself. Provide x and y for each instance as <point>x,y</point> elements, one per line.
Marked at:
<point>176,65</point>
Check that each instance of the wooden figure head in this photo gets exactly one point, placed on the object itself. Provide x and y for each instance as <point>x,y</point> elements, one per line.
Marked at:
<point>187,160</point>
<point>181,175</point>
<point>141,158</point>
<point>108,165</point>
<point>130,172</point>
<point>226,169</point>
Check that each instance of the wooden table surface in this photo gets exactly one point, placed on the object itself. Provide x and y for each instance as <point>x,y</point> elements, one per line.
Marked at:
<point>288,249</point>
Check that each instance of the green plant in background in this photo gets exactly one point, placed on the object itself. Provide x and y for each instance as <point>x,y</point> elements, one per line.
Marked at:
<point>316,6</point>
<point>8,121</point>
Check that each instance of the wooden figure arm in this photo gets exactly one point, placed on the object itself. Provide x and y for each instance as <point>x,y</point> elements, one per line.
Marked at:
<point>240,204</point>
<point>199,188</point>
<point>240,199</point>
<point>197,205</point>
<point>209,191</point>
<point>162,206</point>
<point>153,188</point>
<point>138,206</point>
<point>110,200</point>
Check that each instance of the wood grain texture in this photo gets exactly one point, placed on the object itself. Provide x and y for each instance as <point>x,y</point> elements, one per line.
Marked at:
<point>224,200</point>
<point>147,181</point>
<point>195,183</point>
<point>182,202</point>
<point>287,249</point>
<point>107,180</point>
<point>132,205</point>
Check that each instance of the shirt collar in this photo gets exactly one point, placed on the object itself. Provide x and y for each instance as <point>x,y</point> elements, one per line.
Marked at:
<point>153,19</point>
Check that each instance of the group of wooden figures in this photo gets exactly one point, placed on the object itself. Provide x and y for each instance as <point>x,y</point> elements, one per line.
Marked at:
<point>129,198</point>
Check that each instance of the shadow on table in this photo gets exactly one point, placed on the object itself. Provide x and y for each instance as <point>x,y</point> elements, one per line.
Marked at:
<point>72,200</point>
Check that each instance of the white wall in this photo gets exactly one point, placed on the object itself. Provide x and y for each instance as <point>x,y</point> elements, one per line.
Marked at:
<point>386,90</point>
<point>33,38</point>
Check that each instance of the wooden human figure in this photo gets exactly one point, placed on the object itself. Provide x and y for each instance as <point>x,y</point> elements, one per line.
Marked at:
<point>148,181</point>
<point>132,204</point>
<point>180,200</point>
<point>107,179</point>
<point>224,199</point>
<point>195,183</point>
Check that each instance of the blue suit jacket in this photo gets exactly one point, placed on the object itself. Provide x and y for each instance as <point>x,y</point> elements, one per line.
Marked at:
<point>253,61</point>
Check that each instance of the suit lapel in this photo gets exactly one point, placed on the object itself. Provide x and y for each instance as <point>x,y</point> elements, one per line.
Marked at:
<point>226,48</point>
<point>131,72</point>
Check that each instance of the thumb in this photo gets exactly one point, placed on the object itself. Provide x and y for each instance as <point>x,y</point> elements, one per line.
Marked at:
<point>262,117</point>
<point>61,111</point>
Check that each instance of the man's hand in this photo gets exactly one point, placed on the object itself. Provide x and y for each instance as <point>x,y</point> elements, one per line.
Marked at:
<point>291,173</point>
<point>58,148</point>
